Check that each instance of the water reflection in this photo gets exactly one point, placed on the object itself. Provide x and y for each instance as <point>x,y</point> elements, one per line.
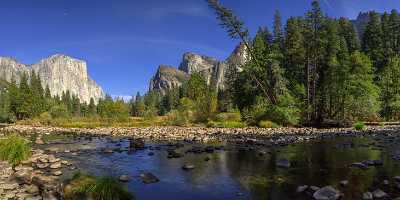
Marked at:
<point>241,174</point>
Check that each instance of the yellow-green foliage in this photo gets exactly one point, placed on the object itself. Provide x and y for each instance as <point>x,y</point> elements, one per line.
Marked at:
<point>83,186</point>
<point>359,126</point>
<point>226,124</point>
<point>94,122</point>
<point>267,124</point>
<point>14,149</point>
<point>230,116</point>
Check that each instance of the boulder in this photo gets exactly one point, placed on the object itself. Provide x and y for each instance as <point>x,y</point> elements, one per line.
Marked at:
<point>149,178</point>
<point>327,193</point>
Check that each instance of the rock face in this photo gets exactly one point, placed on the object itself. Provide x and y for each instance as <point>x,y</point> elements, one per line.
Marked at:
<point>59,72</point>
<point>213,70</point>
<point>166,78</point>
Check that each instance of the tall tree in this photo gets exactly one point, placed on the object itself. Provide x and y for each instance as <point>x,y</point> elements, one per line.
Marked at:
<point>373,41</point>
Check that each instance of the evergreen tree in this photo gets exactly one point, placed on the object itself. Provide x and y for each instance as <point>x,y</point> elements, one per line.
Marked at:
<point>373,41</point>
<point>314,35</point>
<point>390,89</point>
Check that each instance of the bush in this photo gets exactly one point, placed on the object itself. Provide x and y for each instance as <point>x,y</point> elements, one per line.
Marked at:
<point>359,126</point>
<point>231,116</point>
<point>59,111</point>
<point>226,124</point>
<point>14,149</point>
<point>267,124</point>
<point>45,118</point>
<point>285,113</point>
<point>83,186</point>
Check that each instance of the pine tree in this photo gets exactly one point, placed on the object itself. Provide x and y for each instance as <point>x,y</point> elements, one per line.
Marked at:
<point>92,107</point>
<point>390,89</point>
<point>294,56</point>
<point>348,32</point>
<point>278,31</point>
<point>373,41</point>
<point>314,55</point>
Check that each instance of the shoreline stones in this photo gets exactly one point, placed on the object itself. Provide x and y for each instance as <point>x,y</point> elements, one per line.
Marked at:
<point>249,135</point>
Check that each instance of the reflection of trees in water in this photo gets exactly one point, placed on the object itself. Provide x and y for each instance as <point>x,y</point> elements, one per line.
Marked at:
<point>318,163</point>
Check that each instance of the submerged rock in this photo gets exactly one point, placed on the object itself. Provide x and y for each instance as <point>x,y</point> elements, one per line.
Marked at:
<point>283,163</point>
<point>379,194</point>
<point>149,178</point>
<point>188,167</point>
<point>124,178</point>
<point>327,193</point>
<point>367,196</point>
<point>302,188</point>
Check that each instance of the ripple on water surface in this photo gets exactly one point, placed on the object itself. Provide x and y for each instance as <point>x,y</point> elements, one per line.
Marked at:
<point>239,171</point>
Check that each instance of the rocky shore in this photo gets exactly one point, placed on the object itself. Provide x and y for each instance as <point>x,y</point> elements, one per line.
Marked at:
<point>35,179</point>
<point>201,134</point>
<point>39,177</point>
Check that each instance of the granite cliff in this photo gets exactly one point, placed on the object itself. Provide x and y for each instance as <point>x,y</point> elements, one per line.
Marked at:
<point>213,70</point>
<point>59,72</point>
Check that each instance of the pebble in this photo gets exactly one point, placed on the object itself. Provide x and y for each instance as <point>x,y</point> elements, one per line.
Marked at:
<point>124,178</point>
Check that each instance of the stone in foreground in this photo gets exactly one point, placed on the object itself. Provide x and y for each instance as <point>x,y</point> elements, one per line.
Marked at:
<point>149,178</point>
<point>283,163</point>
<point>327,193</point>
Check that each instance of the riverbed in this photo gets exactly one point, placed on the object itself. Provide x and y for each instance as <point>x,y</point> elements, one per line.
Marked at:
<point>236,170</point>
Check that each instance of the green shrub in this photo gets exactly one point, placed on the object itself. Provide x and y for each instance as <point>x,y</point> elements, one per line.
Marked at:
<point>267,124</point>
<point>226,124</point>
<point>359,126</point>
<point>14,149</point>
<point>83,186</point>
<point>45,118</point>
<point>231,116</point>
<point>59,111</point>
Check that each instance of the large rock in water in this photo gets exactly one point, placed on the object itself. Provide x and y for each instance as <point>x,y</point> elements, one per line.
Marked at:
<point>59,72</point>
<point>213,70</point>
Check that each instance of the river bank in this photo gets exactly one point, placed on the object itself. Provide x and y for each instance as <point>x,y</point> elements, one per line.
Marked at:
<point>202,134</point>
<point>251,161</point>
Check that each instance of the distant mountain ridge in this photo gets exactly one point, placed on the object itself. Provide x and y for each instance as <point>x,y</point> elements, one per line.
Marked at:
<point>59,72</point>
<point>213,70</point>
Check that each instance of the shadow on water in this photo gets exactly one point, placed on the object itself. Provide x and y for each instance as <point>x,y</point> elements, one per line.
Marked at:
<point>235,173</point>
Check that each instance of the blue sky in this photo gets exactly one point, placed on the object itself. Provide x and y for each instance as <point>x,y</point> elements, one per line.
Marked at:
<point>124,41</point>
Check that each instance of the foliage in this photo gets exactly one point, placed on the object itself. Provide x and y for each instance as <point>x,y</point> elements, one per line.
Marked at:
<point>226,124</point>
<point>84,186</point>
<point>359,126</point>
<point>59,111</point>
<point>267,124</point>
<point>110,109</point>
<point>14,149</point>
<point>230,116</point>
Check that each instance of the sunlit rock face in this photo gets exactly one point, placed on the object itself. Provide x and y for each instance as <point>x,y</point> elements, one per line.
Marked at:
<point>213,70</point>
<point>11,68</point>
<point>59,72</point>
<point>166,78</point>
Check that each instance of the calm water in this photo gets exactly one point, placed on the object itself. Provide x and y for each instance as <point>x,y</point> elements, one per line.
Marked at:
<point>233,173</point>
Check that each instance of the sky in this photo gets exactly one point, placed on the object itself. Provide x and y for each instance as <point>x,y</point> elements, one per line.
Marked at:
<point>124,41</point>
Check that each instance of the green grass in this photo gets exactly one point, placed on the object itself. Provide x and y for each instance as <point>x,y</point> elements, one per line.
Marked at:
<point>93,122</point>
<point>359,126</point>
<point>83,186</point>
<point>14,149</point>
<point>226,124</point>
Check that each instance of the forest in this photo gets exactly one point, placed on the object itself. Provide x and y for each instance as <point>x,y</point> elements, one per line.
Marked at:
<point>311,70</point>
